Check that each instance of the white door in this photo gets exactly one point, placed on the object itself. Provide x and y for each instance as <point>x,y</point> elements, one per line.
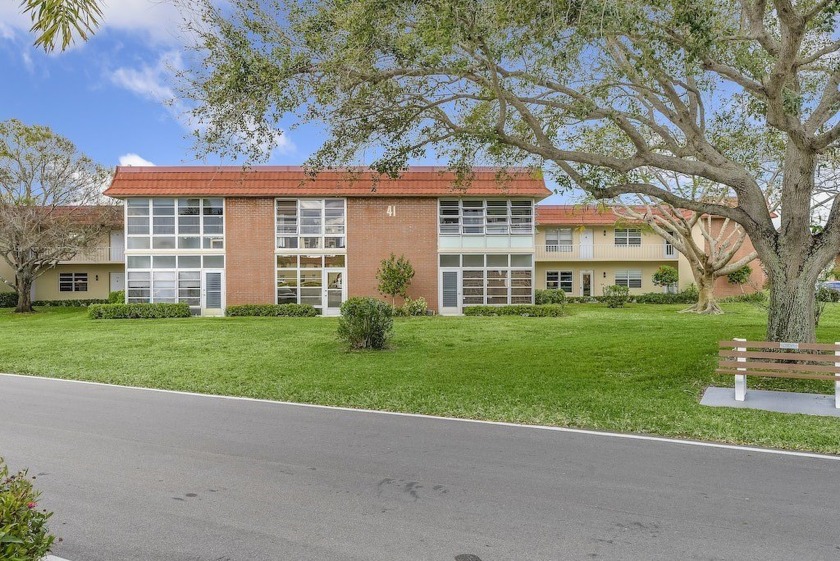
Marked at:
<point>586,243</point>
<point>117,281</point>
<point>213,293</point>
<point>450,292</point>
<point>117,246</point>
<point>334,291</point>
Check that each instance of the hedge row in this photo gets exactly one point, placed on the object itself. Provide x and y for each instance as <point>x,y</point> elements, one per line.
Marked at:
<point>138,311</point>
<point>272,310</point>
<point>8,299</point>
<point>528,310</point>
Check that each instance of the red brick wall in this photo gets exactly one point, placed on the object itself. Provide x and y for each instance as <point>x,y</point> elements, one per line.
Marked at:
<point>723,287</point>
<point>372,236</point>
<point>249,240</point>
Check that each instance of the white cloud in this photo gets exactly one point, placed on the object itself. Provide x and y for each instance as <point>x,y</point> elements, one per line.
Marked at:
<point>27,61</point>
<point>132,159</point>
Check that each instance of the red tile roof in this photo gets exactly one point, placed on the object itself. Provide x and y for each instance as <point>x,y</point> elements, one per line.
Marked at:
<point>577,215</point>
<point>276,181</point>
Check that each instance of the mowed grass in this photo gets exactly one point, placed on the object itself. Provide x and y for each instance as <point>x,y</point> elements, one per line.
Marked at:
<point>639,369</point>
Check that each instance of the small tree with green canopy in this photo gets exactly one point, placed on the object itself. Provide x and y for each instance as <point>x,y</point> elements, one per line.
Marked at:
<point>666,276</point>
<point>394,276</point>
<point>739,93</point>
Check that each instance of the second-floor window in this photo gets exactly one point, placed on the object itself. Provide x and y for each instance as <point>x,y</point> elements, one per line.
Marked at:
<point>175,224</point>
<point>628,237</point>
<point>486,217</point>
<point>311,223</point>
<point>558,240</point>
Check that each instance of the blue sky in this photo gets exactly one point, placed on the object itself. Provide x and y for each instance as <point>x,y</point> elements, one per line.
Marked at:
<point>110,95</point>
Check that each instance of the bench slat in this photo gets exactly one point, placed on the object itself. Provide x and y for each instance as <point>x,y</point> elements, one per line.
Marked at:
<point>773,345</point>
<point>804,357</point>
<point>752,365</point>
<point>763,374</point>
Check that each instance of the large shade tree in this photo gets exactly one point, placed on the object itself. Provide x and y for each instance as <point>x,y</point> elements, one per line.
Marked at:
<point>48,204</point>
<point>597,91</point>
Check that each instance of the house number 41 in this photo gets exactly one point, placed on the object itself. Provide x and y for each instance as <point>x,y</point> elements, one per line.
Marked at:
<point>391,210</point>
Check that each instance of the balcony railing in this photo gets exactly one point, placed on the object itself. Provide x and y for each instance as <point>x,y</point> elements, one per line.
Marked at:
<point>606,252</point>
<point>98,255</point>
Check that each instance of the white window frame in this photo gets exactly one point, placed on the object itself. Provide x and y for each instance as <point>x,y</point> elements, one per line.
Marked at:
<point>560,280</point>
<point>488,224</point>
<point>631,278</point>
<point>508,277</point>
<point>628,237</point>
<point>559,240</point>
<point>321,236</point>
<point>215,241</point>
<point>75,279</point>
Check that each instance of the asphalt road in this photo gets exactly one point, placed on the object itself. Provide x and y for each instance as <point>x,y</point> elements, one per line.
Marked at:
<point>141,475</point>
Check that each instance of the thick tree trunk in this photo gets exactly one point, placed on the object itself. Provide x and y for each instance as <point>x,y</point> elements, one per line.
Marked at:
<point>24,290</point>
<point>706,301</point>
<point>791,315</point>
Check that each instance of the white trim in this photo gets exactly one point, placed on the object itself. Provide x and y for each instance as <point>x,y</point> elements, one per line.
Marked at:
<point>591,282</point>
<point>662,439</point>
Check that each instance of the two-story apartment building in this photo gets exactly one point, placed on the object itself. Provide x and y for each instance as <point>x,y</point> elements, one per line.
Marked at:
<point>582,249</point>
<point>219,236</point>
<point>91,274</point>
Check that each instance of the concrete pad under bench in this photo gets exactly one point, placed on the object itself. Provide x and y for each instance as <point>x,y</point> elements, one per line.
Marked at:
<point>780,402</point>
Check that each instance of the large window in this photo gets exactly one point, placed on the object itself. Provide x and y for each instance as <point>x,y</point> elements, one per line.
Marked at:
<point>175,224</point>
<point>486,217</point>
<point>72,282</point>
<point>493,278</point>
<point>558,240</point>
<point>561,280</point>
<point>311,224</point>
<point>631,278</point>
<point>168,278</point>
<point>628,237</point>
<point>305,279</point>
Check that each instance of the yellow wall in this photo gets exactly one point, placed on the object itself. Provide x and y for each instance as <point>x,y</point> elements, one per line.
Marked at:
<point>46,286</point>
<point>598,270</point>
<point>598,234</point>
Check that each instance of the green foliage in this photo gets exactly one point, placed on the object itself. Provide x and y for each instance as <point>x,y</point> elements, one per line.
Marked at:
<point>116,297</point>
<point>549,296</point>
<point>77,303</point>
<point>394,276</point>
<point>58,22</point>
<point>692,291</point>
<point>827,295</point>
<point>272,310</point>
<point>616,296</point>
<point>8,299</point>
<point>684,297</point>
<point>138,311</point>
<point>666,276</point>
<point>366,323</point>
<point>524,310</point>
<point>740,276</point>
<point>24,535</point>
<point>418,307</point>
<point>757,297</point>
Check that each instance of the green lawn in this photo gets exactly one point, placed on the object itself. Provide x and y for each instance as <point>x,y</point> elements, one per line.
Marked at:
<point>638,369</point>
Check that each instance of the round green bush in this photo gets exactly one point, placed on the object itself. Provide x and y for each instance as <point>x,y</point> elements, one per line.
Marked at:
<point>366,323</point>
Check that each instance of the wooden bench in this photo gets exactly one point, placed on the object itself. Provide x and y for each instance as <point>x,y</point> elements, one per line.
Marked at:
<point>805,361</point>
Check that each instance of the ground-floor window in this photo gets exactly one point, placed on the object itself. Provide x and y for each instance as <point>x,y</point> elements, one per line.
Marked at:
<point>494,279</point>
<point>631,278</point>
<point>317,280</point>
<point>168,278</point>
<point>72,282</point>
<point>561,280</point>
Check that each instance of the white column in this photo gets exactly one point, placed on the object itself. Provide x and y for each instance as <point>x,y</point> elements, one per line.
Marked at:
<point>837,377</point>
<point>741,379</point>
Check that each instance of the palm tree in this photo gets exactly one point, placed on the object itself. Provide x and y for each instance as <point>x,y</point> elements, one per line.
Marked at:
<point>59,22</point>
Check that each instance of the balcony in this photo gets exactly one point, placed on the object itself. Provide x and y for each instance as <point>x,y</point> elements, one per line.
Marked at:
<point>98,255</point>
<point>606,252</point>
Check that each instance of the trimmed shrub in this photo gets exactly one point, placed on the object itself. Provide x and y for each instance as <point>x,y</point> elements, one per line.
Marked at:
<point>272,310</point>
<point>23,527</point>
<point>752,298</point>
<point>117,297</point>
<point>8,299</point>
<point>666,276</point>
<point>138,311</point>
<point>827,295</point>
<point>411,307</point>
<point>69,303</point>
<point>684,297</point>
<point>549,296</point>
<point>366,323</point>
<point>616,296</point>
<point>525,310</point>
<point>584,299</point>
